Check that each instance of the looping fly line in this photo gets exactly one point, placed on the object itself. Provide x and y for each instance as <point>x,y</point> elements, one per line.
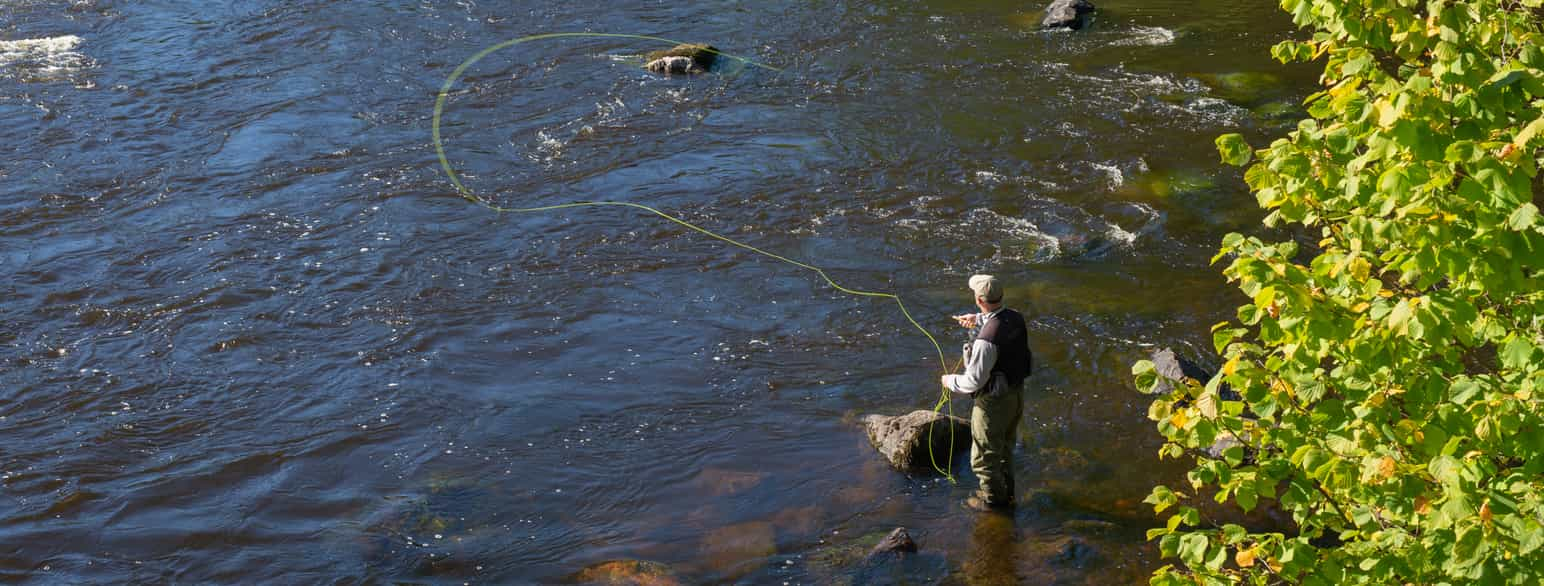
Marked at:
<point>464,192</point>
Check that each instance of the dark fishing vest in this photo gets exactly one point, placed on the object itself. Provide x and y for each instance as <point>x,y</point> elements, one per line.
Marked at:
<point>1006,331</point>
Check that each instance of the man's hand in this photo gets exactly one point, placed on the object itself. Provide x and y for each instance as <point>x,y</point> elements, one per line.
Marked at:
<point>944,380</point>
<point>966,321</point>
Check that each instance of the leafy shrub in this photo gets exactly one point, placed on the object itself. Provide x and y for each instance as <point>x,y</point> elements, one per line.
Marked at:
<point>1389,357</point>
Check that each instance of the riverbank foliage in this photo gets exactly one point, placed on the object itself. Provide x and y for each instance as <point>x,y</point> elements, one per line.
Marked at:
<point>1388,364</point>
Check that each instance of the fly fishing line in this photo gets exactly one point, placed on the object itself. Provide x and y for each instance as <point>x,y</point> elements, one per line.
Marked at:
<point>466,193</point>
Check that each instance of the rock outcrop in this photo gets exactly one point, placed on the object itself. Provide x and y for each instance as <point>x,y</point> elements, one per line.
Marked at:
<point>912,442</point>
<point>1068,14</point>
<point>687,59</point>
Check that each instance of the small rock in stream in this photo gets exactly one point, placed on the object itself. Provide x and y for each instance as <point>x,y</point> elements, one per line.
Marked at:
<point>687,59</point>
<point>897,542</point>
<point>1068,14</point>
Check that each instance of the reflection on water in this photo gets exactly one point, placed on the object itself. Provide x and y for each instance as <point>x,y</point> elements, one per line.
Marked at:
<point>990,559</point>
<point>250,333</point>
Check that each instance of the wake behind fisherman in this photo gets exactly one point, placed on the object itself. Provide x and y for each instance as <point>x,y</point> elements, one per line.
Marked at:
<point>996,363</point>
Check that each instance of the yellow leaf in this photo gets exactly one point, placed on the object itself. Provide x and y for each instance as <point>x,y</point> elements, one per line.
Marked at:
<point>1231,367</point>
<point>1360,269</point>
<point>1179,418</point>
<point>1360,307</point>
<point>1385,293</point>
<point>1386,468</point>
<point>1485,513</point>
<point>1245,557</point>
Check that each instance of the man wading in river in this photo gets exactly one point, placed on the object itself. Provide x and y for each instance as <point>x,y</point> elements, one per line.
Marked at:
<point>996,364</point>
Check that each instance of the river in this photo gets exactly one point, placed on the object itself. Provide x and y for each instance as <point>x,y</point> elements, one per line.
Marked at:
<point>250,333</point>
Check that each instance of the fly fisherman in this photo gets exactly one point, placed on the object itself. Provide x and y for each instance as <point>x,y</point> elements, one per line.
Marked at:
<point>996,363</point>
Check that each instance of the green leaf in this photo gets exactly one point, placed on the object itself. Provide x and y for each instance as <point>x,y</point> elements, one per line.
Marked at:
<point>1523,218</point>
<point>1532,537</point>
<point>1233,149</point>
<point>1246,497</point>
<point>1469,546</point>
<point>1192,549</point>
<point>1232,533</point>
<point>1161,498</point>
<point>1465,389</point>
<point>1445,469</point>
<point>1517,354</point>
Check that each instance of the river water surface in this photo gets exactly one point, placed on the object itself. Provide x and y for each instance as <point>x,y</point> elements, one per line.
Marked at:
<point>249,333</point>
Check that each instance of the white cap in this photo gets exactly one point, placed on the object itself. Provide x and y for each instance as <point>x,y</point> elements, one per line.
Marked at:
<point>986,286</point>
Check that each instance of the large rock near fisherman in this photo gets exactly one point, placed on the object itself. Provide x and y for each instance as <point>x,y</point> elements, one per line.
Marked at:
<point>905,440</point>
<point>1070,14</point>
<point>686,58</point>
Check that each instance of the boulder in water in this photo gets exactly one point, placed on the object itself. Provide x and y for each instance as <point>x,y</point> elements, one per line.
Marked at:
<point>912,442</point>
<point>686,58</point>
<point>1171,369</point>
<point>1068,14</point>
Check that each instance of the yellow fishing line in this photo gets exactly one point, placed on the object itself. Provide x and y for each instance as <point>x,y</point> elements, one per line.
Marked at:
<point>450,172</point>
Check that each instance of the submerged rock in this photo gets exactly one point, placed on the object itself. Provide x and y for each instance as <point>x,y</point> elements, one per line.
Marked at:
<point>897,542</point>
<point>864,560</point>
<point>626,573</point>
<point>1181,182</point>
<point>1088,527</point>
<point>912,442</point>
<point>1075,553</point>
<point>686,58</point>
<point>1069,14</point>
<point>740,549</point>
<point>1243,87</point>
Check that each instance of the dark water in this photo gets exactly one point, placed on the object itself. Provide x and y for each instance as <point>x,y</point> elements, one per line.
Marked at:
<point>249,334</point>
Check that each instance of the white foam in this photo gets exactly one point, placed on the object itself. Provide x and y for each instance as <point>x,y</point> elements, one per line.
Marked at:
<point>46,56</point>
<point>38,47</point>
<point>1018,228</point>
<point>1115,233</point>
<point>989,177</point>
<point>1116,178</point>
<point>1147,36</point>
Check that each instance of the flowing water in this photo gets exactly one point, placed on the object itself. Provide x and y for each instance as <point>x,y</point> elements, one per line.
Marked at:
<point>249,333</point>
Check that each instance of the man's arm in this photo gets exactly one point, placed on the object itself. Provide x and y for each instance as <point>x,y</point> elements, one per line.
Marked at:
<point>978,370</point>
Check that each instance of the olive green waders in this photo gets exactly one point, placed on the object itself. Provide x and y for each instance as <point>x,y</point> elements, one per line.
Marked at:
<point>993,421</point>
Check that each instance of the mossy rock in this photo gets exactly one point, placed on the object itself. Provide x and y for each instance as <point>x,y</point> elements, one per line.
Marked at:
<point>684,58</point>
<point>626,573</point>
<point>1243,87</point>
<point>1180,182</point>
<point>836,555</point>
<point>1279,111</point>
<point>449,507</point>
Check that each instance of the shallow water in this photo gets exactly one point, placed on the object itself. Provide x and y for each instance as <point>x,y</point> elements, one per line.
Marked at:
<point>250,333</point>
